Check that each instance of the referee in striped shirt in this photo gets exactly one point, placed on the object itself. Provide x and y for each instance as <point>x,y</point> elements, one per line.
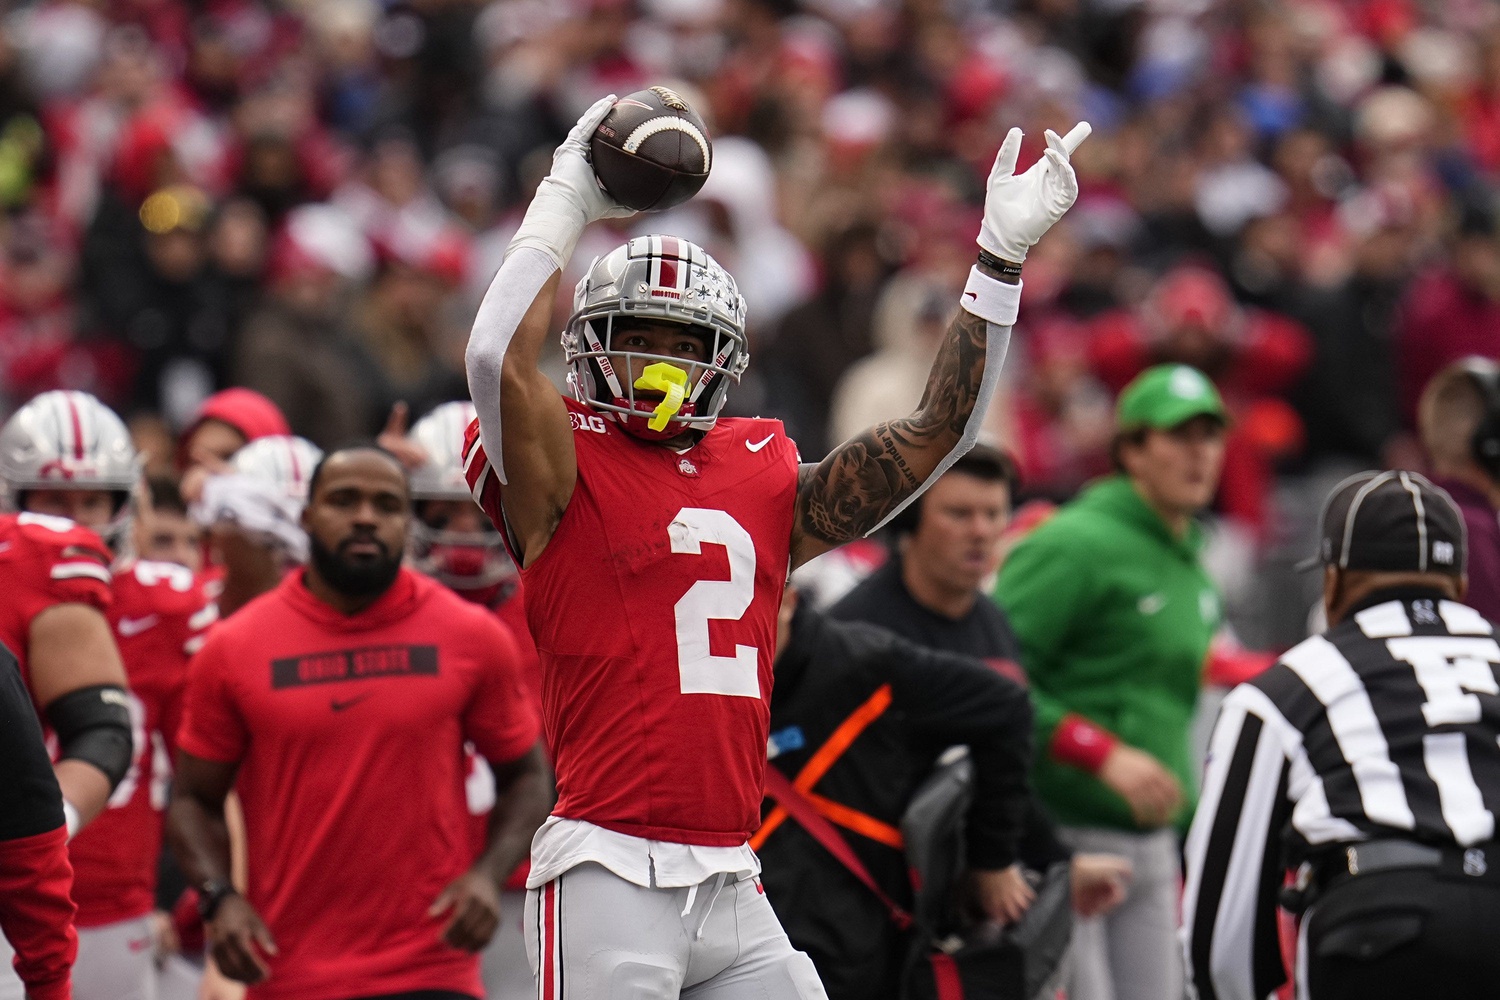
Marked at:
<point>1365,763</point>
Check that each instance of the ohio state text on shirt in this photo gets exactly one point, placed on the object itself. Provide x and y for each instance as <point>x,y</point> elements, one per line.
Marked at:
<point>349,733</point>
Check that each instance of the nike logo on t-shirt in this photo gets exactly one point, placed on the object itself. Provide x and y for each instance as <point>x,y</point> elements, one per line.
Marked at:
<point>758,445</point>
<point>135,626</point>
<point>339,706</point>
<point>1151,604</point>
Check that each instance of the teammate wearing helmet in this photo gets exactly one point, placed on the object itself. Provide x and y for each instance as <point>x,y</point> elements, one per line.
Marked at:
<point>252,508</point>
<point>654,540</point>
<point>454,543</point>
<point>65,454</point>
<point>451,539</point>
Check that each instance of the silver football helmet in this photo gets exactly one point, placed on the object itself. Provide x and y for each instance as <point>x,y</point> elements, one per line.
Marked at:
<point>68,440</point>
<point>666,279</point>
<point>283,462</point>
<point>474,563</point>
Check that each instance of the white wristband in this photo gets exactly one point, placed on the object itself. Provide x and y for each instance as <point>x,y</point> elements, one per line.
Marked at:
<point>995,301</point>
<point>71,819</point>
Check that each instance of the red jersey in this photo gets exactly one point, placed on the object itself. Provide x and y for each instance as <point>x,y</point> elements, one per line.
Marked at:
<point>654,610</point>
<point>481,780</point>
<point>46,560</point>
<point>349,733</point>
<point>512,614</point>
<point>160,617</point>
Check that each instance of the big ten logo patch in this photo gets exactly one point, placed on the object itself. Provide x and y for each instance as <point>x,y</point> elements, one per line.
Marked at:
<point>353,664</point>
<point>586,422</point>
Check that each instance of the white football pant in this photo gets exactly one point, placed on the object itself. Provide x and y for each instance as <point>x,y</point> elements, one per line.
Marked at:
<point>591,934</point>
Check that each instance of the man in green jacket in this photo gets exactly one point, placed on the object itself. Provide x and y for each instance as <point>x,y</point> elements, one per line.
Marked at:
<point>1115,613</point>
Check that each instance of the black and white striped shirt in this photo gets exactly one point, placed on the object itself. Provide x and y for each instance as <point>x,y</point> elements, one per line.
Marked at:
<point>1385,726</point>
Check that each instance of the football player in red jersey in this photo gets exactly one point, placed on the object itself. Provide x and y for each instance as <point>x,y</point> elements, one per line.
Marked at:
<point>337,705</point>
<point>451,539</point>
<point>57,590</point>
<point>454,543</point>
<point>655,539</point>
<point>159,615</point>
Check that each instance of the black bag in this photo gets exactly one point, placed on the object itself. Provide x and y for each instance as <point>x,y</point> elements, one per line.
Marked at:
<point>953,958</point>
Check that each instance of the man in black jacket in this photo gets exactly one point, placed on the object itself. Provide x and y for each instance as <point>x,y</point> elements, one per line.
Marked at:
<point>947,545</point>
<point>859,719</point>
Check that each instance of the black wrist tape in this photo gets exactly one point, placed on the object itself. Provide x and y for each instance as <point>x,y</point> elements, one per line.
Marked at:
<point>1003,266</point>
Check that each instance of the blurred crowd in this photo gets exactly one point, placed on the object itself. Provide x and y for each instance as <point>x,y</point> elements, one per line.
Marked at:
<point>309,197</point>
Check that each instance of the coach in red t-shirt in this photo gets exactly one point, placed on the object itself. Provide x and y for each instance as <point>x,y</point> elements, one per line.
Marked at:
<point>337,706</point>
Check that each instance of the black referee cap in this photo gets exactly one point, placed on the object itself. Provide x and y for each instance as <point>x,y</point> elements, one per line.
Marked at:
<point>1396,522</point>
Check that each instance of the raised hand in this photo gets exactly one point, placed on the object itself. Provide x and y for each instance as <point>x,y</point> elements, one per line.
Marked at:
<point>393,438</point>
<point>569,198</point>
<point>571,164</point>
<point>1019,209</point>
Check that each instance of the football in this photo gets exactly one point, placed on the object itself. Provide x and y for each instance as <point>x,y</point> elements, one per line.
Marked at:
<point>651,151</point>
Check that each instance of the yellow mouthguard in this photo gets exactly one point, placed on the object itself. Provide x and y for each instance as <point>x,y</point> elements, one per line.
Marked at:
<point>662,377</point>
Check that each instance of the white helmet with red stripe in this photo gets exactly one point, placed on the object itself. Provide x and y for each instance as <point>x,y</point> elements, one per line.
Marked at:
<point>263,493</point>
<point>665,279</point>
<point>283,462</point>
<point>473,563</point>
<point>68,440</point>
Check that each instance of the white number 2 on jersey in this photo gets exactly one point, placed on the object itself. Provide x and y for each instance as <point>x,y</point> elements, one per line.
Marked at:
<point>726,600</point>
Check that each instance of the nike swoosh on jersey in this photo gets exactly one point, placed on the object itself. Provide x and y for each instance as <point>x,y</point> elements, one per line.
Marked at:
<point>758,445</point>
<point>339,706</point>
<point>1151,604</point>
<point>135,626</point>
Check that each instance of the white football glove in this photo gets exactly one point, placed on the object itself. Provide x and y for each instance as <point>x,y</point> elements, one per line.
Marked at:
<point>1019,210</point>
<point>569,198</point>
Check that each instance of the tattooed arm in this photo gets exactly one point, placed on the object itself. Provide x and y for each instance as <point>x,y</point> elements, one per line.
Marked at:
<point>867,480</point>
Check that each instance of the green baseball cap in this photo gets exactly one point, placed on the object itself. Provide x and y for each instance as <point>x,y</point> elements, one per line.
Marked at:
<point>1166,396</point>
